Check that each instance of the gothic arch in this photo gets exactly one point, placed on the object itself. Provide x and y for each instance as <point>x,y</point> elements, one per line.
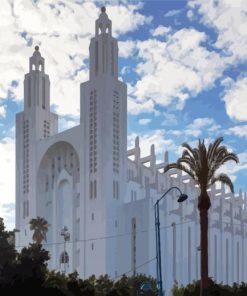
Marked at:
<point>61,155</point>
<point>59,165</point>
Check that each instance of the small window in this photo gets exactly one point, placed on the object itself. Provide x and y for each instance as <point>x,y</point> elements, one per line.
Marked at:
<point>91,190</point>
<point>92,246</point>
<point>78,200</point>
<point>92,216</point>
<point>95,189</point>
<point>64,258</point>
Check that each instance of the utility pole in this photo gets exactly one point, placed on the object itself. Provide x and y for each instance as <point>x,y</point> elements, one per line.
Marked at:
<point>66,235</point>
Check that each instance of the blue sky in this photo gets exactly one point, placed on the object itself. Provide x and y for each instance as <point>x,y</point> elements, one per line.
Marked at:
<point>184,63</point>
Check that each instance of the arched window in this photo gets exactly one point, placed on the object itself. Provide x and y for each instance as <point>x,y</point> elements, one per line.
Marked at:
<point>64,258</point>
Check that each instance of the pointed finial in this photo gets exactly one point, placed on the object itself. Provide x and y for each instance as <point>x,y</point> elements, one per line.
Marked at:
<point>36,48</point>
<point>103,9</point>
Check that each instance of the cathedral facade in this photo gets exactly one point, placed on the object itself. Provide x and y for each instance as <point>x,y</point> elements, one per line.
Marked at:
<point>85,179</point>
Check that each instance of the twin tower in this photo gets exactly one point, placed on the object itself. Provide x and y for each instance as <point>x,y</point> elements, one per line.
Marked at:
<point>76,178</point>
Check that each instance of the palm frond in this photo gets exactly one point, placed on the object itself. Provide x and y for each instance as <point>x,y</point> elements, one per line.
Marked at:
<point>189,161</point>
<point>223,178</point>
<point>220,160</point>
<point>169,167</point>
<point>181,167</point>
<point>212,148</point>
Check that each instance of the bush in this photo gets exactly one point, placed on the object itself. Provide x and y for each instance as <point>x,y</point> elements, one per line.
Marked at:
<point>215,289</point>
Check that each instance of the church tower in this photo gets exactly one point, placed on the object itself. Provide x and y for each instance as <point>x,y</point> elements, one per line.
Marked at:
<point>104,124</point>
<point>34,124</point>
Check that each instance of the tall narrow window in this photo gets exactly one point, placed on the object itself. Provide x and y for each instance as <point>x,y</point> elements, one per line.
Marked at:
<point>91,190</point>
<point>174,246</point>
<point>117,189</point>
<point>29,91</point>
<point>227,260</point>
<point>96,57</point>
<point>215,256</point>
<point>93,132</point>
<point>114,190</point>
<point>95,188</point>
<point>27,208</point>
<point>77,229</point>
<point>238,262</point>
<point>116,132</point>
<point>112,59</point>
<point>133,245</point>
<point>43,92</point>
<point>24,210</point>
<point>189,254</point>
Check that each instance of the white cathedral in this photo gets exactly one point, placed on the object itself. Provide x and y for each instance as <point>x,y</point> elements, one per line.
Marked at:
<point>85,179</point>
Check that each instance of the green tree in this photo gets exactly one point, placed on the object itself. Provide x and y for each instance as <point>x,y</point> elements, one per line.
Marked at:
<point>103,285</point>
<point>201,164</point>
<point>31,266</point>
<point>7,250</point>
<point>40,228</point>
<point>7,256</point>
<point>122,287</point>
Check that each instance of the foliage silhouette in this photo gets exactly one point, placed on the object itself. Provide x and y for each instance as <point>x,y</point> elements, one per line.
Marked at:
<point>27,272</point>
<point>215,289</point>
<point>40,228</point>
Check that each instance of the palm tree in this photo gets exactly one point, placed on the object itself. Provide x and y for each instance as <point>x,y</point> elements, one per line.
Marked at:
<point>40,228</point>
<point>201,164</point>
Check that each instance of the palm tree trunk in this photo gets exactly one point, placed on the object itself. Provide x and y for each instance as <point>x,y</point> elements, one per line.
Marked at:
<point>204,285</point>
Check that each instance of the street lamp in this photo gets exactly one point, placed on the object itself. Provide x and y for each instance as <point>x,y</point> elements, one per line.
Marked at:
<point>182,197</point>
<point>66,235</point>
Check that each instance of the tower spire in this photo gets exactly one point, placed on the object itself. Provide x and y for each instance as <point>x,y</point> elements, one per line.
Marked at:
<point>103,49</point>
<point>36,61</point>
<point>103,23</point>
<point>36,83</point>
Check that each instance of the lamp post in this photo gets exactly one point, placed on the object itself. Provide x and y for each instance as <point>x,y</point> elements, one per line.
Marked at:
<point>182,197</point>
<point>66,235</point>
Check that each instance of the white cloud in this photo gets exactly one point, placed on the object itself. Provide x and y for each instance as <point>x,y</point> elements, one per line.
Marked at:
<point>240,131</point>
<point>160,31</point>
<point>229,19</point>
<point>235,99</point>
<point>2,111</point>
<point>200,125</point>
<point>135,107</point>
<point>169,119</point>
<point>7,180</point>
<point>63,29</point>
<point>156,137</point>
<point>126,48</point>
<point>144,121</point>
<point>190,15</point>
<point>232,169</point>
<point>68,122</point>
<point>173,12</point>
<point>176,69</point>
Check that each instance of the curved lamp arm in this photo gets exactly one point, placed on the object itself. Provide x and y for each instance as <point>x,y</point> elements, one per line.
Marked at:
<point>181,198</point>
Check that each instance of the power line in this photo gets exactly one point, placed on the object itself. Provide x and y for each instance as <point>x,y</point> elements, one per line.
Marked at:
<point>107,237</point>
<point>131,270</point>
<point>130,233</point>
